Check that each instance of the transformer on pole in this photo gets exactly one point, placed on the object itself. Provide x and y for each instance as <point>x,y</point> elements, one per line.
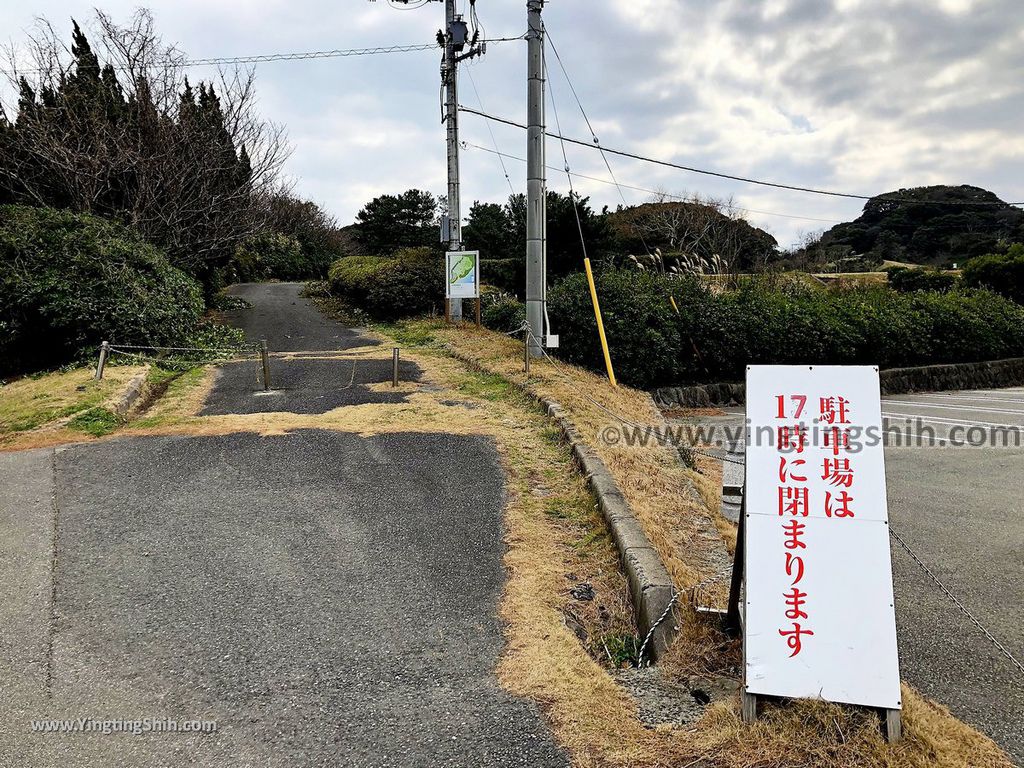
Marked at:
<point>459,44</point>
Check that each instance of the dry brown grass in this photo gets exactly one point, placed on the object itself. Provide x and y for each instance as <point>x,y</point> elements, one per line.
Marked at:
<point>554,531</point>
<point>592,717</point>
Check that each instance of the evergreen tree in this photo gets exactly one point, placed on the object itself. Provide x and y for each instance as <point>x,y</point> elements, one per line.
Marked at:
<point>390,222</point>
<point>168,165</point>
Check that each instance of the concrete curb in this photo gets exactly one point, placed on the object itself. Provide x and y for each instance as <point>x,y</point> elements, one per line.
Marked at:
<point>650,584</point>
<point>130,395</point>
<point>987,374</point>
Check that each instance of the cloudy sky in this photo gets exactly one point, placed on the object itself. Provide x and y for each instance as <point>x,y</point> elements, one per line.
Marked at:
<point>861,96</point>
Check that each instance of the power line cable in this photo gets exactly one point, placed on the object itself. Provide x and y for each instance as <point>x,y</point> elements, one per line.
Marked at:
<point>289,56</point>
<point>590,127</point>
<point>717,174</point>
<point>299,56</point>
<point>565,158</point>
<point>494,141</point>
<point>738,208</point>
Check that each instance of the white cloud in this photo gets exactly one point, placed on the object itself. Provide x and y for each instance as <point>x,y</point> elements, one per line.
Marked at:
<point>855,95</point>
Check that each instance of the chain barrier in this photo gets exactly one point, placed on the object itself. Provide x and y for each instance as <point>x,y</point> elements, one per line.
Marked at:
<point>953,598</point>
<point>123,347</point>
<point>650,632</point>
<point>181,357</point>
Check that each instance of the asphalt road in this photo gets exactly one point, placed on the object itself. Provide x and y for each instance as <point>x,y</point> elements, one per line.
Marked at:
<point>960,509</point>
<point>304,385</point>
<point>289,322</point>
<point>326,599</point>
<point>301,383</point>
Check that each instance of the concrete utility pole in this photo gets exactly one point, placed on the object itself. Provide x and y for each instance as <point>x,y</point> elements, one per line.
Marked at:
<point>536,183</point>
<point>454,36</point>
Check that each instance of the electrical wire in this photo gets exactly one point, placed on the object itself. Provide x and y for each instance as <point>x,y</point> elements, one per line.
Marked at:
<point>478,27</point>
<point>593,134</point>
<point>406,6</point>
<point>565,158</point>
<point>494,141</point>
<point>682,198</point>
<point>290,56</point>
<point>743,179</point>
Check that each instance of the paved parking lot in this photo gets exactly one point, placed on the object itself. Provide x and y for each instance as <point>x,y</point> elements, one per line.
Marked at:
<point>944,417</point>
<point>960,510</point>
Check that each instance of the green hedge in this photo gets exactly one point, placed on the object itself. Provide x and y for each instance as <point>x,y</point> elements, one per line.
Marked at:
<point>999,272</point>
<point>715,335</point>
<point>69,281</point>
<point>502,311</point>
<point>404,285</point>
<point>272,255</point>
<point>904,280</point>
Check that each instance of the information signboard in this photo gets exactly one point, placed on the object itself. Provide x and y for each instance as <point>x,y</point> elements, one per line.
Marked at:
<point>818,609</point>
<point>462,275</point>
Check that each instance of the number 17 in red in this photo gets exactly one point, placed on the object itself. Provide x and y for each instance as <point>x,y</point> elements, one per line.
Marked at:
<point>800,400</point>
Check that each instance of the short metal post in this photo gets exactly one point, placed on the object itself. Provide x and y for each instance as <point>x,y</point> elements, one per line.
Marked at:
<point>394,367</point>
<point>265,357</point>
<point>526,351</point>
<point>104,354</point>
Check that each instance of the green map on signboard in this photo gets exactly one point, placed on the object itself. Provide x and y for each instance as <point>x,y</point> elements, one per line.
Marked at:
<point>463,281</point>
<point>462,269</point>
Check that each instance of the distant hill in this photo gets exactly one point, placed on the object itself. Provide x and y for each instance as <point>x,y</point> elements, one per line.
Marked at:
<point>928,225</point>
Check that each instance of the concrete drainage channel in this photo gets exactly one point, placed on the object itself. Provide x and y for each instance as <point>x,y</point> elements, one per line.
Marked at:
<point>650,585</point>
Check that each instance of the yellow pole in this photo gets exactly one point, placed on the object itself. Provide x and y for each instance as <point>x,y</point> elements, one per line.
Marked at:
<point>673,300</point>
<point>600,323</point>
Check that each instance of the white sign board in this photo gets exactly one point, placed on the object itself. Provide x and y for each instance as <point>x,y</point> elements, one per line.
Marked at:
<point>819,619</point>
<point>462,271</point>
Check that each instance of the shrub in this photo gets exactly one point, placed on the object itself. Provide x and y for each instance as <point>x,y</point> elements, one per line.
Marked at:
<point>348,274</point>
<point>273,255</point>
<point>501,311</point>
<point>509,275</point>
<point>1001,273</point>
<point>409,283</point>
<point>70,281</point>
<point>905,280</point>
<point>638,319</point>
<point>715,335</point>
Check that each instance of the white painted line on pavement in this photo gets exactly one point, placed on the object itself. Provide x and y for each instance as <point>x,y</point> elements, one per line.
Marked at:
<point>977,399</point>
<point>944,421</point>
<point>907,403</point>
